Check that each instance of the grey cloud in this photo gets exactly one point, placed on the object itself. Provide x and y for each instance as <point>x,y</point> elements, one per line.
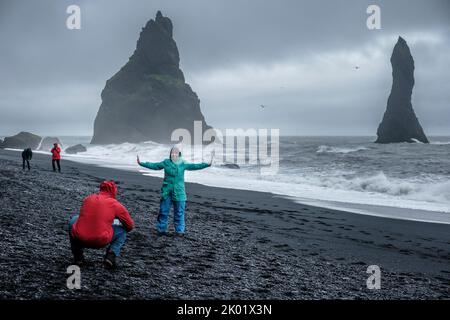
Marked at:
<point>40,56</point>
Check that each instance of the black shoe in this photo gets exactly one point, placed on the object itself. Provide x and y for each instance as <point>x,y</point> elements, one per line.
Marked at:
<point>110,260</point>
<point>162,233</point>
<point>179,234</point>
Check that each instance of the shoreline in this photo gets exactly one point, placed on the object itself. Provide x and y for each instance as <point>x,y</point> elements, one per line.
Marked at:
<point>239,244</point>
<point>368,209</point>
<point>378,210</point>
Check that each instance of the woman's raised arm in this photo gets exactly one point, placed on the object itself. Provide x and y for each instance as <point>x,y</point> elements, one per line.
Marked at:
<point>151,165</point>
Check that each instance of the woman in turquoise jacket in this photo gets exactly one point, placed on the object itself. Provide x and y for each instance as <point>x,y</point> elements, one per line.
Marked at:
<point>172,190</point>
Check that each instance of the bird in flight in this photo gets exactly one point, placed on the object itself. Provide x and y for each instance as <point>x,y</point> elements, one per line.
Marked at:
<point>262,106</point>
<point>357,67</point>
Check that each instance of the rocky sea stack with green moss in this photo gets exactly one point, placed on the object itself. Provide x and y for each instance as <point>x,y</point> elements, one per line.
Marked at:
<point>148,98</point>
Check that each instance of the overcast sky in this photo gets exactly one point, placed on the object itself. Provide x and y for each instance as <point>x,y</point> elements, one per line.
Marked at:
<point>296,57</point>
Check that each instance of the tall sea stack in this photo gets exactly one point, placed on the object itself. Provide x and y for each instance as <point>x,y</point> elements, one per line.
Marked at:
<point>148,98</point>
<point>400,123</point>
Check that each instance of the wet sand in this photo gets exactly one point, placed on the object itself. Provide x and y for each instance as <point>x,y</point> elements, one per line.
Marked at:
<point>238,245</point>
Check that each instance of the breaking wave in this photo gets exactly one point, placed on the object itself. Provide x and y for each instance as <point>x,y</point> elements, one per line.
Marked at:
<point>328,149</point>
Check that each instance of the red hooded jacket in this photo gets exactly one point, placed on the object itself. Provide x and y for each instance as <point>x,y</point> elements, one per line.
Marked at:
<point>56,152</point>
<point>94,225</point>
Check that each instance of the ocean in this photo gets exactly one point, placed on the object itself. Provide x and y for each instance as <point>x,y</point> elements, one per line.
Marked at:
<point>402,180</point>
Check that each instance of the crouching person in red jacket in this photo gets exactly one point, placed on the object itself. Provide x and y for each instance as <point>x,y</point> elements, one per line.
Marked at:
<point>96,226</point>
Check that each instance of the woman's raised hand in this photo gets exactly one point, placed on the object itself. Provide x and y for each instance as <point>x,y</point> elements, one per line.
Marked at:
<point>212,157</point>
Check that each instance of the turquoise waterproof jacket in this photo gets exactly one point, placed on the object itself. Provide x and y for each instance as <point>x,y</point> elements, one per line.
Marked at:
<point>173,182</point>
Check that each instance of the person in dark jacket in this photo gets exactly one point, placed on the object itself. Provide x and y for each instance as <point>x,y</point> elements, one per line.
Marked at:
<point>103,222</point>
<point>173,190</point>
<point>56,157</point>
<point>27,154</point>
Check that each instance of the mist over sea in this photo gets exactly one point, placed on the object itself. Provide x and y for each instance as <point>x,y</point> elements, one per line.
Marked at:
<point>349,173</point>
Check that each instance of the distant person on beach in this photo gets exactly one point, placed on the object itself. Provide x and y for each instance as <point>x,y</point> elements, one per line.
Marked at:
<point>172,190</point>
<point>27,154</point>
<point>56,157</point>
<point>103,222</point>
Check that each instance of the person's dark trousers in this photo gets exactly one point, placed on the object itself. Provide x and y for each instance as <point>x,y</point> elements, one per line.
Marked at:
<point>178,215</point>
<point>117,241</point>
<point>58,163</point>
<point>75,245</point>
<point>28,164</point>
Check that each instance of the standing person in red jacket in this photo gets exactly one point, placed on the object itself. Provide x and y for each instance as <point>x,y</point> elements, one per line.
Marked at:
<point>56,157</point>
<point>103,222</point>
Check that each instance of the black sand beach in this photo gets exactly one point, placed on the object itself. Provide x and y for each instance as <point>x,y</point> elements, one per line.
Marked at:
<point>239,244</point>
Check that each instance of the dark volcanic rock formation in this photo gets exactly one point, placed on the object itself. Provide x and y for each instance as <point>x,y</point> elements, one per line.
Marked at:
<point>22,140</point>
<point>148,98</point>
<point>400,123</point>
<point>76,149</point>
<point>47,143</point>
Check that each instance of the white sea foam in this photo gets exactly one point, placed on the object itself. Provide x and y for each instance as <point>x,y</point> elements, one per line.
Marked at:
<point>329,149</point>
<point>415,140</point>
<point>335,186</point>
<point>324,185</point>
